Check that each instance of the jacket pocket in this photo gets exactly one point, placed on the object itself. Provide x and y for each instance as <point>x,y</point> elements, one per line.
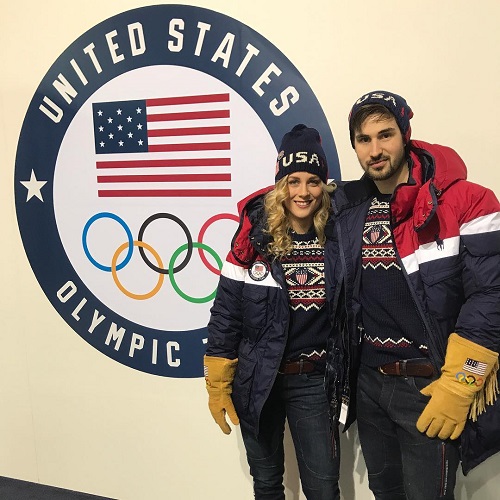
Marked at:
<point>255,305</point>
<point>432,275</point>
<point>242,385</point>
<point>444,290</point>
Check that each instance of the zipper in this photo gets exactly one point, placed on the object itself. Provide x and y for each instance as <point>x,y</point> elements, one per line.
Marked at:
<point>444,472</point>
<point>361,329</point>
<point>346,390</point>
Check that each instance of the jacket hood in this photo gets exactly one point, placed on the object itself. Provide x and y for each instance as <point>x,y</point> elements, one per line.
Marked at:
<point>242,204</point>
<point>435,169</point>
<point>248,239</point>
<point>448,165</point>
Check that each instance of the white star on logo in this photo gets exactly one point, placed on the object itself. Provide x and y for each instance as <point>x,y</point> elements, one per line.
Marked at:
<point>120,143</point>
<point>34,187</point>
<point>139,126</point>
<point>129,119</point>
<point>138,111</point>
<point>118,111</point>
<point>120,127</point>
<point>110,120</point>
<point>139,142</point>
<point>99,113</point>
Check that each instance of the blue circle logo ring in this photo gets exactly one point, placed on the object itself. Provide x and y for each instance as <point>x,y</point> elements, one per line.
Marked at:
<point>130,238</point>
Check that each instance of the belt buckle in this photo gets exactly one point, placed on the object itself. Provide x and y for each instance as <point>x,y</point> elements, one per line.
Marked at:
<point>402,367</point>
<point>301,365</point>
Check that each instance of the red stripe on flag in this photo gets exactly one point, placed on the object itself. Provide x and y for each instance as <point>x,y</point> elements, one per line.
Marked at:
<point>189,115</point>
<point>163,193</point>
<point>181,162</point>
<point>197,146</point>
<point>164,178</point>
<point>168,132</point>
<point>191,99</point>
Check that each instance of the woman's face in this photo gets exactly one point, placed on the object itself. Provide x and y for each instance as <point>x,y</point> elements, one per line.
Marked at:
<point>305,192</point>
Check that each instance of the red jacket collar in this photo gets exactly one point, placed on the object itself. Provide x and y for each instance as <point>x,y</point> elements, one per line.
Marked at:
<point>433,169</point>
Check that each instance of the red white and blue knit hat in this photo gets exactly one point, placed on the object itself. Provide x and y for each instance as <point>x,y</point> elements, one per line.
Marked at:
<point>393,102</point>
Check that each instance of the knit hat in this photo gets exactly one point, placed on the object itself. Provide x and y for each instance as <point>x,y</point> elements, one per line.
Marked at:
<point>393,102</point>
<point>301,151</point>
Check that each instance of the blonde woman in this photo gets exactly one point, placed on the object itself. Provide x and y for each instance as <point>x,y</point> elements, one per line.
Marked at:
<point>270,323</point>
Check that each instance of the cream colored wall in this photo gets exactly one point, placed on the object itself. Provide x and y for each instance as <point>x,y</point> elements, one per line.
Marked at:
<point>71,417</point>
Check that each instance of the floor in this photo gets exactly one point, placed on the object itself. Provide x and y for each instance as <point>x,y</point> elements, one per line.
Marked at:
<point>14,489</point>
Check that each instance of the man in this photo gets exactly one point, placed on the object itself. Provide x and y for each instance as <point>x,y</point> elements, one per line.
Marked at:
<point>420,249</point>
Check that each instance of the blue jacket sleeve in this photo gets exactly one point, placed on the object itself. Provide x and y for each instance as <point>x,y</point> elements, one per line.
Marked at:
<point>479,318</point>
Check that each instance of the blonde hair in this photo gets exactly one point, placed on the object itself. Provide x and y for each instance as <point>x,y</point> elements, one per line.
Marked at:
<point>278,223</point>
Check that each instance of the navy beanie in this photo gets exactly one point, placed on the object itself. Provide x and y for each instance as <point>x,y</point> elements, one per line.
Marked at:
<point>301,151</point>
<point>393,102</point>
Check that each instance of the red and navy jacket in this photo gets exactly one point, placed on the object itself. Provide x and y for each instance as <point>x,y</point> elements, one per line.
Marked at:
<point>250,315</point>
<point>447,240</point>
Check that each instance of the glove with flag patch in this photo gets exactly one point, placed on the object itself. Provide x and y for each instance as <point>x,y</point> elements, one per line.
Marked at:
<point>219,375</point>
<point>467,384</point>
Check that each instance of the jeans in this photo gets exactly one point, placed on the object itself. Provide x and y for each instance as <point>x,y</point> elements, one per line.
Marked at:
<point>301,399</point>
<point>402,463</point>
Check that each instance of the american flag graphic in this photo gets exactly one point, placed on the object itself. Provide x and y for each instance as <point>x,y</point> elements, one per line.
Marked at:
<point>301,276</point>
<point>474,366</point>
<point>163,147</point>
<point>374,233</point>
<point>259,268</point>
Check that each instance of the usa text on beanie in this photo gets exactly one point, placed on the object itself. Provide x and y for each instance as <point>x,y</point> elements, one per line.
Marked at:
<point>396,105</point>
<point>301,151</point>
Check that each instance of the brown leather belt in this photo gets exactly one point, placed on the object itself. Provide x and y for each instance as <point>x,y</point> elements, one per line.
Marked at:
<point>418,367</point>
<point>299,367</point>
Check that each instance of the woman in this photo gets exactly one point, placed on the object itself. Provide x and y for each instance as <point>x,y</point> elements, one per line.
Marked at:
<point>270,323</point>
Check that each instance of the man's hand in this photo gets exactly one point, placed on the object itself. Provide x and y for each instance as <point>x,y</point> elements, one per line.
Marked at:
<point>463,375</point>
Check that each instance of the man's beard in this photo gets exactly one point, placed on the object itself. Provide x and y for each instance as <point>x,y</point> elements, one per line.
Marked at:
<point>384,175</point>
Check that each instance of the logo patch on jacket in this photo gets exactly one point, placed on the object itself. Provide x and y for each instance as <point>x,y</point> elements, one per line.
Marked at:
<point>259,270</point>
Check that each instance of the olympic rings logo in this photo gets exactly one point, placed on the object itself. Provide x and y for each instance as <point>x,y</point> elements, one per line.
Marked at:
<point>171,269</point>
<point>469,379</point>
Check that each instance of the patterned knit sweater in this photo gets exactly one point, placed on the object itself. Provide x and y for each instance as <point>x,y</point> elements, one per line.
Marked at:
<point>392,327</point>
<point>305,280</point>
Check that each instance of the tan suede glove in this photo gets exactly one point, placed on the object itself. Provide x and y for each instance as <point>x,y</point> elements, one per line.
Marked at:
<point>219,375</point>
<point>464,383</point>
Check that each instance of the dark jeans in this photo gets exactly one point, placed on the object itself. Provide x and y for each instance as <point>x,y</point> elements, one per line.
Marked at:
<point>301,399</point>
<point>402,463</point>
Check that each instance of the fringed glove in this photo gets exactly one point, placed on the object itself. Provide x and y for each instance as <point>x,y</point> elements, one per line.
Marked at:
<point>467,384</point>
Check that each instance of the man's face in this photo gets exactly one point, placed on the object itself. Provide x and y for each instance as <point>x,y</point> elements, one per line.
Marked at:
<point>380,150</point>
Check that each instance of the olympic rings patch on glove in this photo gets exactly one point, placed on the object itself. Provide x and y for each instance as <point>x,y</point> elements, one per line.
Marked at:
<point>465,379</point>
